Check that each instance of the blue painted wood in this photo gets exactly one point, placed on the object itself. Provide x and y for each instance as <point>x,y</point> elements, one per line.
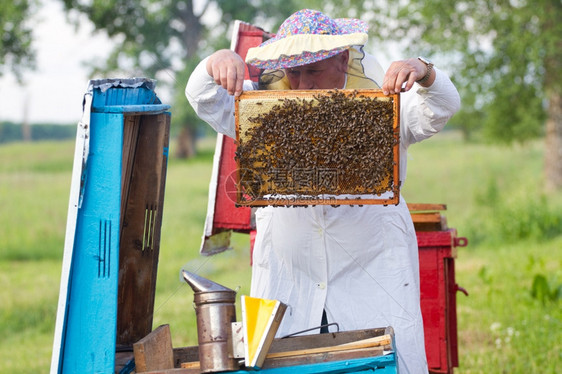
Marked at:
<point>381,365</point>
<point>89,341</point>
<point>86,341</point>
<point>141,109</point>
<point>124,96</point>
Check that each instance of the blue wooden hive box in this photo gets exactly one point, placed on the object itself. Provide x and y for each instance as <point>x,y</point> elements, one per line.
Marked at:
<point>113,226</point>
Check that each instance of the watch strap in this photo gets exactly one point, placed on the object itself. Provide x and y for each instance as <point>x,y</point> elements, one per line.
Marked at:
<point>429,66</point>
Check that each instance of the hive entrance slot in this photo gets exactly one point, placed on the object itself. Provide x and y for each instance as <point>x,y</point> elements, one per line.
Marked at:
<point>150,215</point>
<point>104,249</point>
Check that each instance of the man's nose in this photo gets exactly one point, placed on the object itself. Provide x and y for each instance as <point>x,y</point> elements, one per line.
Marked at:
<point>305,83</point>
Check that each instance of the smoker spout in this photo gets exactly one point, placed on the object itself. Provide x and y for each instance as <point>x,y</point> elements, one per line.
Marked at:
<point>200,284</point>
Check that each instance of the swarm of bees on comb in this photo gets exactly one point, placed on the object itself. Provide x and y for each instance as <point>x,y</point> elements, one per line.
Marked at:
<point>333,143</point>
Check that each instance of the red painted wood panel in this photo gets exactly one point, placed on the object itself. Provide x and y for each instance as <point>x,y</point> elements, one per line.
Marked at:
<point>227,216</point>
<point>438,298</point>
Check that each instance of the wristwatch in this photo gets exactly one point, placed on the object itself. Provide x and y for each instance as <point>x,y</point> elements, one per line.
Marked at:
<point>429,65</point>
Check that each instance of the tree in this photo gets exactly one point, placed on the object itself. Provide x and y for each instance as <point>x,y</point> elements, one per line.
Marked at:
<point>504,56</point>
<point>16,52</point>
<point>168,37</point>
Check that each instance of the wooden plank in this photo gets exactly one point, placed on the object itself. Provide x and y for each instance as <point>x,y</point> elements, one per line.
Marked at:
<point>124,359</point>
<point>190,365</point>
<point>429,221</point>
<point>89,324</point>
<point>315,358</point>
<point>308,359</point>
<point>368,363</point>
<point>140,229</point>
<point>370,342</point>
<point>426,217</point>
<point>367,343</point>
<point>426,206</point>
<point>80,153</point>
<point>154,352</point>
<point>191,355</point>
<point>185,354</point>
<point>177,371</point>
<point>323,340</point>
<point>435,239</point>
<point>130,137</point>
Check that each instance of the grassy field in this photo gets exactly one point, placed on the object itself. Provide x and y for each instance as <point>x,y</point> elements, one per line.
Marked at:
<point>512,267</point>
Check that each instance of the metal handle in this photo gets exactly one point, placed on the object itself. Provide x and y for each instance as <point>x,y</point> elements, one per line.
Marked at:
<point>459,288</point>
<point>313,328</point>
<point>461,242</point>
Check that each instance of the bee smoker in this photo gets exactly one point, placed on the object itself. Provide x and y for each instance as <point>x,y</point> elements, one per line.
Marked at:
<point>215,311</point>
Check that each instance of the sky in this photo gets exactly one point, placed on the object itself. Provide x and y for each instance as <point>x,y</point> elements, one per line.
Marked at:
<point>53,93</point>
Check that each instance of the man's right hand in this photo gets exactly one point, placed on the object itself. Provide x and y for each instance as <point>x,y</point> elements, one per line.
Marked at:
<point>227,69</point>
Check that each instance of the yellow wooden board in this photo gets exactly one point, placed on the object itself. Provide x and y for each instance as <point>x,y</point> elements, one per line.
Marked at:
<point>261,318</point>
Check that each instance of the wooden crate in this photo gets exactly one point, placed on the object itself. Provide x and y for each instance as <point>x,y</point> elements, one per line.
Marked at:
<point>342,352</point>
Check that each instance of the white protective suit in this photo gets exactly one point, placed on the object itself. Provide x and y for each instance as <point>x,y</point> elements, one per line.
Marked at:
<point>359,264</point>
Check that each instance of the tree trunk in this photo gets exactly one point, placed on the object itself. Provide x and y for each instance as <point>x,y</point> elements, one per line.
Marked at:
<point>186,143</point>
<point>553,148</point>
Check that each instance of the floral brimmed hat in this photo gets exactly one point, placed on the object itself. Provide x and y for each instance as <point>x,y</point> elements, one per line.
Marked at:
<point>306,37</point>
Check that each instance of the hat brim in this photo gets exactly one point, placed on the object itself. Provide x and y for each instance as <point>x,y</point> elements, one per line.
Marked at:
<point>301,49</point>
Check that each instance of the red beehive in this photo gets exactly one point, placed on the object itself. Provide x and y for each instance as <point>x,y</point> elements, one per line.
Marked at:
<point>437,252</point>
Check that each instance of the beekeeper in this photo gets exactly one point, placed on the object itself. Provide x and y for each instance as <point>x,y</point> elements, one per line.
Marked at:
<point>357,266</point>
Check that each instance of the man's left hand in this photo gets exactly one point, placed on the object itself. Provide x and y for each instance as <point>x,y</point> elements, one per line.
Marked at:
<point>401,76</point>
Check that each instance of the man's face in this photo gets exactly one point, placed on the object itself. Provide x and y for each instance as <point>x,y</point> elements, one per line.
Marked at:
<point>325,74</point>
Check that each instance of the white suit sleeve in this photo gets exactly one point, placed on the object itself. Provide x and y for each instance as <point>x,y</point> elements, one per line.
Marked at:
<point>425,110</point>
<point>211,102</point>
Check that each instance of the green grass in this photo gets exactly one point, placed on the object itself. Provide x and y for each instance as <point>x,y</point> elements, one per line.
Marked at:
<point>494,198</point>
<point>34,191</point>
<point>502,328</point>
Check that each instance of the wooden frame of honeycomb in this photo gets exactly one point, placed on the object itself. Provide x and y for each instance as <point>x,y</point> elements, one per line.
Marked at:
<point>317,147</point>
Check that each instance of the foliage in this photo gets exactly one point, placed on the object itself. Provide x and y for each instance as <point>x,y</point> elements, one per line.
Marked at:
<point>504,56</point>
<point>502,327</point>
<point>154,35</point>
<point>16,50</point>
<point>506,202</point>
<point>12,132</point>
<point>168,38</point>
<point>542,291</point>
<point>514,216</point>
<point>182,113</point>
